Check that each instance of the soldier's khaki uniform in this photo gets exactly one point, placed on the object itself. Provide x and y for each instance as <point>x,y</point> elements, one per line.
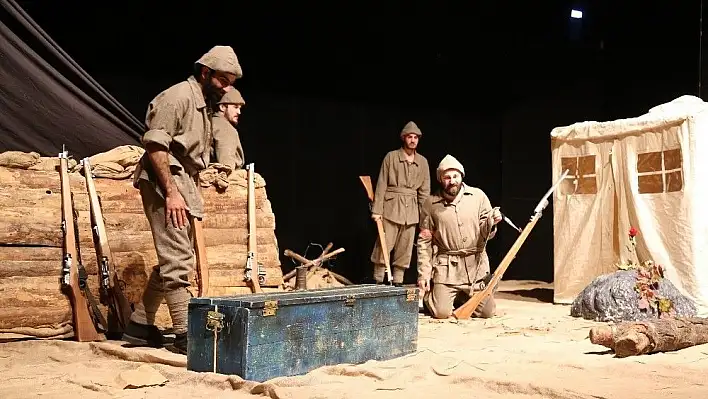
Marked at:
<point>401,189</point>
<point>228,150</point>
<point>455,258</point>
<point>178,119</point>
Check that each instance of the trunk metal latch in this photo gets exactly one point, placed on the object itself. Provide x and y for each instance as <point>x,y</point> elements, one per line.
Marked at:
<point>269,308</point>
<point>214,321</point>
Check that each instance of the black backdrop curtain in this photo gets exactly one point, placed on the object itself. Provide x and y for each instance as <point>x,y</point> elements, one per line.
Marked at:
<point>47,100</point>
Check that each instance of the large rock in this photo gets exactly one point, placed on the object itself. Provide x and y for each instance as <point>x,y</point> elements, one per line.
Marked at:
<point>612,298</point>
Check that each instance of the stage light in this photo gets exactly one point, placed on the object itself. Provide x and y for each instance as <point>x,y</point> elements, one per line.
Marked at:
<point>576,14</point>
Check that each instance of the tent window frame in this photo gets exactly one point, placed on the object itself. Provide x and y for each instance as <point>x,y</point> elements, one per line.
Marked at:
<point>582,175</point>
<point>653,174</point>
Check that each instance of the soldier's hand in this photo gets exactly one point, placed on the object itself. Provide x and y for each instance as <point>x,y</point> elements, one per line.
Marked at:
<point>425,234</point>
<point>375,216</point>
<point>175,209</point>
<point>496,215</point>
<point>424,285</point>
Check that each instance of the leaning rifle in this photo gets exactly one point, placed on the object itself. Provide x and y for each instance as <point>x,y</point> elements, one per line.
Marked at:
<point>73,278</point>
<point>385,250</point>
<point>467,309</point>
<point>252,258</point>
<point>111,292</point>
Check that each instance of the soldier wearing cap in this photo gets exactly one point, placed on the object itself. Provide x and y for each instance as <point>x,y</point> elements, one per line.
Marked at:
<point>228,151</point>
<point>401,189</point>
<point>457,221</point>
<point>178,146</point>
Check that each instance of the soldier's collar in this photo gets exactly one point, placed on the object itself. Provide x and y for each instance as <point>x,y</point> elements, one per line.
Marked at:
<point>402,156</point>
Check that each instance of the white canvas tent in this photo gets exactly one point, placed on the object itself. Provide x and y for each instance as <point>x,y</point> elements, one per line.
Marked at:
<point>649,172</point>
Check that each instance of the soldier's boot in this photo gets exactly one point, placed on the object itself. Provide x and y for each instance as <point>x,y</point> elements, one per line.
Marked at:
<point>398,273</point>
<point>141,329</point>
<point>379,273</point>
<point>177,303</point>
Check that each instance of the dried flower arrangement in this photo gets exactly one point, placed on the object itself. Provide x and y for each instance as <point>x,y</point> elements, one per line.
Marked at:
<point>648,276</point>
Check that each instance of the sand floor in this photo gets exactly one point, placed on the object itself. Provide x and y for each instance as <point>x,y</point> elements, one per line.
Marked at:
<point>530,349</point>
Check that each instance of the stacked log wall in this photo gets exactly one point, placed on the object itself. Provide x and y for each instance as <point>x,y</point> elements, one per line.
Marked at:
<point>31,243</point>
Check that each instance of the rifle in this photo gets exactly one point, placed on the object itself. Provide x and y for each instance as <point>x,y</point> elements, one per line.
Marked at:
<point>200,257</point>
<point>366,181</point>
<point>465,311</point>
<point>252,259</point>
<point>73,276</point>
<point>111,291</point>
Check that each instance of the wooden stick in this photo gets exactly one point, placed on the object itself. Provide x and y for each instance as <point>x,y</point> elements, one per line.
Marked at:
<point>318,262</point>
<point>340,278</point>
<point>303,260</point>
<point>308,263</point>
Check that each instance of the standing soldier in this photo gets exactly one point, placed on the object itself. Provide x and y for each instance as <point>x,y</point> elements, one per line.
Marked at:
<point>401,189</point>
<point>227,144</point>
<point>458,221</point>
<point>178,146</point>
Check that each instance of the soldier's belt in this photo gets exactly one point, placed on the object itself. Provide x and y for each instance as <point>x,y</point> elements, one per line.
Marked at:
<point>402,191</point>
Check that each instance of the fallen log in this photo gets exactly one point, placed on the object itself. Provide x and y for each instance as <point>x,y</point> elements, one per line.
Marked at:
<point>644,337</point>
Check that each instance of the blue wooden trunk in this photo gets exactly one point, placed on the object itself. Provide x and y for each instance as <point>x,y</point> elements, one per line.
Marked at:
<point>263,336</point>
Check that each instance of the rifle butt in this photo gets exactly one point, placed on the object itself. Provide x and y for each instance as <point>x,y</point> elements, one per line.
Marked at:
<point>121,310</point>
<point>384,249</point>
<point>366,181</point>
<point>466,310</point>
<point>84,328</point>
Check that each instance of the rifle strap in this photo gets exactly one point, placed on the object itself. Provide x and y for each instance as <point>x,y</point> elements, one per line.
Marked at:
<point>97,315</point>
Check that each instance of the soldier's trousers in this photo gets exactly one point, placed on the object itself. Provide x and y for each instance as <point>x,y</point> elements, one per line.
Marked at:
<point>399,239</point>
<point>169,279</point>
<point>440,301</point>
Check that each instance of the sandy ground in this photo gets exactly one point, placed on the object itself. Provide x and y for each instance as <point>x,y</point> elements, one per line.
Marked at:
<point>531,349</point>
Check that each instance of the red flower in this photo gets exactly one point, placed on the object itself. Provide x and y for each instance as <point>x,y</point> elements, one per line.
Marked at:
<point>633,232</point>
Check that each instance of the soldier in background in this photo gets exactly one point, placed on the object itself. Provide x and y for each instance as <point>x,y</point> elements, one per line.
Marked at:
<point>227,145</point>
<point>402,187</point>
<point>458,220</point>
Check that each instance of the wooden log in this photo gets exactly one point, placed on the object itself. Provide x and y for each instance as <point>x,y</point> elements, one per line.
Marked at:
<point>120,202</point>
<point>13,317</point>
<point>20,178</point>
<point>131,222</point>
<point>120,221</point>
<point>644,337</point>
<point>50,234</point>
<point>230,255</point>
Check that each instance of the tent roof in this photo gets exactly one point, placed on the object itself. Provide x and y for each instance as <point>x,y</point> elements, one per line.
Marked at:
<point>671,113</point>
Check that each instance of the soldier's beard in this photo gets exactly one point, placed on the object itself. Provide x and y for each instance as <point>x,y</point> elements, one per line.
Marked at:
<point>452,190</point>
<point>213,95</point>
